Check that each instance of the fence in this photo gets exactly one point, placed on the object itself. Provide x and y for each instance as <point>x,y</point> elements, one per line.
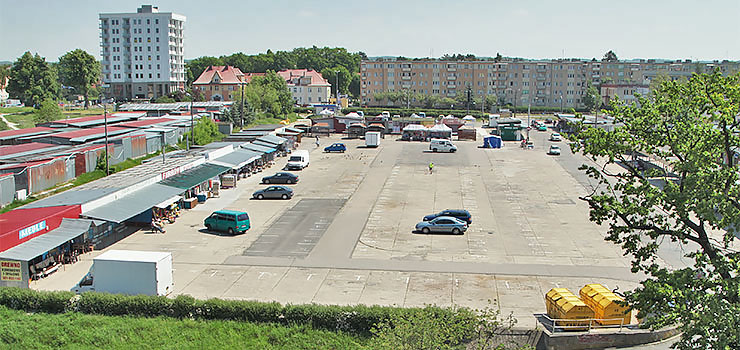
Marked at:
<point>585,324</point>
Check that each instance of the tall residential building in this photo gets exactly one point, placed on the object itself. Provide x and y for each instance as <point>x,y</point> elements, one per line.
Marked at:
<point>557,83</point>
<point>142,53</point>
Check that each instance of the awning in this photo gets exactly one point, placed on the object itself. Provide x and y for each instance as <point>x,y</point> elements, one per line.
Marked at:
<point>134,203</point>
<point>68,230</point>
<point>258,148</point>
<point>264,144</point>
<point>195,176</point>
<point>169,201</point>
<point>237,159</point>
<point>293,130</point>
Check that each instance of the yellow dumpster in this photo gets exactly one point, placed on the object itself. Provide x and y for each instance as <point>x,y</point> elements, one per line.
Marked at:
<point>605,305</point>
<point>568,308</point>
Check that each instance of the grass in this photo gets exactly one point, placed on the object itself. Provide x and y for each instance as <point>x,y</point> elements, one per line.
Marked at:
<point>80,331</point>
<point>10,110</point>
<point>23,116</point>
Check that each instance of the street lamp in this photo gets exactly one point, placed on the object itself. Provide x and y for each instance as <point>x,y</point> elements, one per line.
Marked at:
<point>192,119</point>
<point>336,72</point>
<point>105,127</point>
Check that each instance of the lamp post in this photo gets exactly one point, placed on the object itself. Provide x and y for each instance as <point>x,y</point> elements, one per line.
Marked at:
<point>336,73</point>
<point>192,119</point>
<point>105,127</point>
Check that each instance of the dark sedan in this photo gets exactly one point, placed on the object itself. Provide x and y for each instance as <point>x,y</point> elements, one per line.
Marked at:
<point>274,192</point>
<point>280,178</point>
<point>461,214</point>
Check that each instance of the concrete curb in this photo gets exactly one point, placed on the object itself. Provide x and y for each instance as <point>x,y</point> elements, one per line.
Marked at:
<point>600,339</point>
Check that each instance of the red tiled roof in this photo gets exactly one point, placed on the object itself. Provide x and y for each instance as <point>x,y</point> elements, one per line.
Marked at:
<point>248,76</point>
<point>316,77</point>
<point>8,133</point>
<point>25,147</point>
<point>226,74</point>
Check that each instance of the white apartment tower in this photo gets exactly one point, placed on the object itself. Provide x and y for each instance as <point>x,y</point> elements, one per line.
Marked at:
<point>142,53</point>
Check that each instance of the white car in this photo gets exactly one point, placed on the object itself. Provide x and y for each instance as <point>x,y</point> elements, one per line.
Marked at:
<point>554,150</point>
<point>555,137</point>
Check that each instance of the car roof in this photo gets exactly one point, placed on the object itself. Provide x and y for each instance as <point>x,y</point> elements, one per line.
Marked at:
<point>224,211</point>
<point>462,211</point>
<point>447,217</point>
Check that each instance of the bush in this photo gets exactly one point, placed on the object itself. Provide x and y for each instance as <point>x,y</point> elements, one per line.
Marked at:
<point>359,320</point>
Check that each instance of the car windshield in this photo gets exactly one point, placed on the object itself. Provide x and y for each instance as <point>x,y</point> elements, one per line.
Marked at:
<point>242,217</point>
<point>555,147</point>
<point>295,159</point>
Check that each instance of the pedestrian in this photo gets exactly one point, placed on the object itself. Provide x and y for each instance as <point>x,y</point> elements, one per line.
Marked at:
<point>431,167</point>
<point>317,141</point>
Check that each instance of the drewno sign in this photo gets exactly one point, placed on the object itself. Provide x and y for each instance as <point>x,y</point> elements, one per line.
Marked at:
<point>31,229</point>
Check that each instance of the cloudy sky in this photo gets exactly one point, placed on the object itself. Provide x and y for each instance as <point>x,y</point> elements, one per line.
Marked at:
<point>679,29</point>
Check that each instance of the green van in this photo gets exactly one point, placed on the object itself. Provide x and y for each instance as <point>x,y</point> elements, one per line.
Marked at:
<point>228,221</point>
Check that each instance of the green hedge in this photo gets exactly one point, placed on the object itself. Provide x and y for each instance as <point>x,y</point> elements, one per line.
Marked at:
<point>302,110</point>
<point>359,319</point>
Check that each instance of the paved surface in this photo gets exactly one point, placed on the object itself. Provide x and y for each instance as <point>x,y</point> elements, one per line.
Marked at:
<point>530,233</point>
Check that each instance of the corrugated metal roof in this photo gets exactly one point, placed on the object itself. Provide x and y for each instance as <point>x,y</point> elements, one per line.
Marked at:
<point>273,139</point>
<point>67,231</point>
<point>238,158</point>
<point>171,106</point>
<point>132,255</point>
<point>195,176</point>
<point>71,197</point>
<point>258,148</point>
<point>264,144</point>
<point>293,130</point>
<point>133,204</point>
<point>10,134</point>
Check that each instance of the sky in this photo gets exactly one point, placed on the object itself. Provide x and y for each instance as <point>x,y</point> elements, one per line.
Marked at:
<point>679,29</point>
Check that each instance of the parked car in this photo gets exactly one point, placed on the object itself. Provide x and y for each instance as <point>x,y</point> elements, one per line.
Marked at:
<point>443,224</point>
<point>228,220</point>
<point>555,137</point>
<point>554,150</point>
<point>542,127</point>
<point>337,147</point>
<point>461,214</point>
<point>274,192</point>
<point>280,178</point>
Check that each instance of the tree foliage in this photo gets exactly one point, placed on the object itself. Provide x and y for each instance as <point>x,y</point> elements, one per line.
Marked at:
<point>48,111</point>
<point>345,78</point>
<point>592,97</point>
<point>80,70</point>
<point>206,131</point>
<point>693,127</point>
<point>610,56</point>
<point>269,94</point>
<point>33,80</point>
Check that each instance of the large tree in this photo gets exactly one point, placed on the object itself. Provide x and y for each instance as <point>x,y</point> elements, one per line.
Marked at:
<point>79,70</point>
<point>345,78</point>
<point>32,80</point>
<point>591,97</point>
<point>269,94</point>
<point>694,201</point>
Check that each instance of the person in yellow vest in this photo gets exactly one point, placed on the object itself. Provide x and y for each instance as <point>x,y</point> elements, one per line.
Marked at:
<point>431,167</point>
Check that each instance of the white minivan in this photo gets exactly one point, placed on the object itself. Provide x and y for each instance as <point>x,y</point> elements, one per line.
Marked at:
<point>442,145</point>
<point>298,160</point>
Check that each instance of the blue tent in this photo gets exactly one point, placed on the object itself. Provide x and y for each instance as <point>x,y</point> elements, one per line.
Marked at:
<point>492,142</point>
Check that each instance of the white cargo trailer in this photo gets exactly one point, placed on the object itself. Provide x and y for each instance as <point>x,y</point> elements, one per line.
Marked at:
<point>372,139</point>
<point>129,272</point>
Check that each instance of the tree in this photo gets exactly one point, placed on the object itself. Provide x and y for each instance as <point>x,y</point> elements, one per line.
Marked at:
<point>205,131</point>
<point>610,57</point>
<point>48,111</point>
<point>269,94</point>
<point>354,85</point>
<point>498,58</point>
<point>79,70</point>
<point>592,97</point>
<point>164,99</point>
<point>32,80</point>
<point>196,67</point>
<point>692,126</point>
<point>345,78</point>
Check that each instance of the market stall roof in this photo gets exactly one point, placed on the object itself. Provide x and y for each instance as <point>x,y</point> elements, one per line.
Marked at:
<point>167,202</point>
<point>133,203</point>
<point>273,139</point>
<point>237,159</point>
<point>264,144</point>
<point>69,229</point>
<point>74,196</point>
<point>258,148</point>
<point>440,128</point>
<point>376,125</point>
<point>195,176</point>
<point>415,127</point>
<point>357,125</point>
<point>289,129</point>
<point>326,112</point>
<point>469,117</point>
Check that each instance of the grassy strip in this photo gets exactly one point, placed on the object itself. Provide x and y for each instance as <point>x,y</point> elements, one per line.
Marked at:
<point>22,120</point>
<point>8,110</point>
<point>80,331</point>
<point>3,125</point>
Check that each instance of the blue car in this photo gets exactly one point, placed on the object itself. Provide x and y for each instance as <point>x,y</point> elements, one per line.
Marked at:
<point>461,214</point>
<point>337,147</point>
<point>444,224</point>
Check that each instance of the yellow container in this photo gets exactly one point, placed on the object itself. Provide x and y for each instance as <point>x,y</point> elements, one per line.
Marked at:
<point>564,305</point>
<point>605,305</point>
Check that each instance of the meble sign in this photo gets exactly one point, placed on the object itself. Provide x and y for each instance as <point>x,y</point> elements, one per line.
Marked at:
<point>31,229</point>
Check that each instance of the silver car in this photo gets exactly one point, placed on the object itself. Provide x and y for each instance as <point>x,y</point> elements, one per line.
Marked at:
<point>274,192</point>
<point>445,224</point>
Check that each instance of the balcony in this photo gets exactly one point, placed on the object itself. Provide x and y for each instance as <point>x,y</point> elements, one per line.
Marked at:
<point>541,77</point>
<point>406,69</point>
<point>451,86</point>
<point>405,77</point>
<point>451,68</point>
<point>451,77</point>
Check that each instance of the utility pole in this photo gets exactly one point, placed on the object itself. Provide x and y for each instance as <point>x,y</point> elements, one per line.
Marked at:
<point>241,110</point>
<point>105,123</point>
<point>336,72</point>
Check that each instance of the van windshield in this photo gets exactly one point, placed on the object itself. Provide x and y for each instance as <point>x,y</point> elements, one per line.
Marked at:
<point>242,217</point>
<point>295,159</point>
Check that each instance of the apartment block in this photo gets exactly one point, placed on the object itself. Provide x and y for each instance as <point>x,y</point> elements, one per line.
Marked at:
<point>307,86</point>
<point>558,83</point>
<point>143,53</point>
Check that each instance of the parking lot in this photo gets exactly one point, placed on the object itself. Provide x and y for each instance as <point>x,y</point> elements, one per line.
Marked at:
<point>346,236</point>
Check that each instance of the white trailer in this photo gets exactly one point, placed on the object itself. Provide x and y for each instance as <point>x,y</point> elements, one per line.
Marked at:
<point>129,272</point>
<point>372,139</point>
